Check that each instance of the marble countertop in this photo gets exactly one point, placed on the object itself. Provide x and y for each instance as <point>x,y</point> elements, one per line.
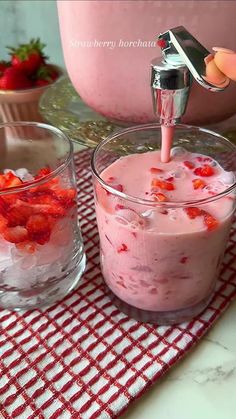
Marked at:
<point>200,386</point>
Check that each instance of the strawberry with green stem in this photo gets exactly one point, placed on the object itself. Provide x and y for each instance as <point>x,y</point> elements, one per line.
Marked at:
<point>28,57</point>
<point>45,75</point>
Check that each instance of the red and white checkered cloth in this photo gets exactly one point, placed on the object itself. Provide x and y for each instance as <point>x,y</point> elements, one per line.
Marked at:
<point>82,358</point>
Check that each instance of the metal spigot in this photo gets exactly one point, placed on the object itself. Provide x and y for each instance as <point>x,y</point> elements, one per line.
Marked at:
<point>171,76</point>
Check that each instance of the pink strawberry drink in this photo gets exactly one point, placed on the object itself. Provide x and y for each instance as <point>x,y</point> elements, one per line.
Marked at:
<point>164,257</point>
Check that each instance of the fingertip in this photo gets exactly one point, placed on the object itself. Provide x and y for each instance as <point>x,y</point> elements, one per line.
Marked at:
<point>214,75</point>
<point>226,63</point>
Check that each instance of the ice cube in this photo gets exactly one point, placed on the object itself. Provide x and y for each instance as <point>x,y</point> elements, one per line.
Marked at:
<point>178,152</point>
<point>228,178</point>
<point>28,262</point>
<point>16,255</point>
<point>216,187</point>
<point>15,278</point>
<point>128,216</point>
<point>21,172</point>
<point>62,233</point>
<point>5,171</point>
<point>5,254</point>
<point>179,174</point>
<point>48,273</point>
<point>149,213</point>
<point>48,253</point>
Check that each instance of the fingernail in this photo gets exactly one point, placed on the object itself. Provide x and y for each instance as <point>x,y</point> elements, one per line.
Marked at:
<point>227,51</point>
<point>224,83</point>
<point>209,58</point>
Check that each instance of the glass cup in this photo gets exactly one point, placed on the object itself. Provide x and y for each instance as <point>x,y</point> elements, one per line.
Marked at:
<point>41,251</point>
<point>155,275</point>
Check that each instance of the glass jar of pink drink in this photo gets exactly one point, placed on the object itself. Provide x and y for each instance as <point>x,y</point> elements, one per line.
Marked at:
<point>163,227</point>
<point>108,47</point>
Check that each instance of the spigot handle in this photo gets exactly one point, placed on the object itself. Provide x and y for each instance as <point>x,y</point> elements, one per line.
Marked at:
<point>179,41</point>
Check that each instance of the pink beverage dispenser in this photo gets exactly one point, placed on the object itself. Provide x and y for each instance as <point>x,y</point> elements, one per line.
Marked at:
<point>108,47</point>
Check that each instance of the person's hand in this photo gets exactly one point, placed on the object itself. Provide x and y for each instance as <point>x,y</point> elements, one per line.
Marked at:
<point>221,67</point>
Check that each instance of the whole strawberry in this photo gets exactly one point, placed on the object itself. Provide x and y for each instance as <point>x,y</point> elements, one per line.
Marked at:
<point>3,66</point>
<point>28,57</point>
<point>14,79</point>
<point>45,75</point>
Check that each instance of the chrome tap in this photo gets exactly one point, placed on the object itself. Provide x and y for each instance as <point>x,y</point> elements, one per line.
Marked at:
<point>171,77</point>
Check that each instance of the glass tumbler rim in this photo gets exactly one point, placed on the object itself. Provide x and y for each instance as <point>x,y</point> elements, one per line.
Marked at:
<point>27,185</point>
<point>148,202</point>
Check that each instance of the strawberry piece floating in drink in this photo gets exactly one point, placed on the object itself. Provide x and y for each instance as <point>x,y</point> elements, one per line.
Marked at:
<point>210,222</point>
<point>189,164</point>
<point>193,212</point>
<point>155,170</point>
<point>162,184</point>
<point>198,183</point>
<point>204,171</point>
<point>159,196</point>
<point>122,248</point>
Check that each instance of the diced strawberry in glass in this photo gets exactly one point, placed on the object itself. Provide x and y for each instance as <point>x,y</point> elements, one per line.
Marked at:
<point>27,246</point>
<point>155,170</point>
<point>2,181</point>
<point>159,197</point>
<point>198,183</point>
<point>212,193</point>
<point>119,207</point>
<point>210,222</point>
<point>15,234</point>
<point>47,203</point>
<point>162,184</point>
<point>184,259</point>
<point>18,215</point>
<point>39,228</point>
<point>66,196</point>
<point>3,206</point>
<point>118,187</point>
<point>44,171</point>
<point>122,248</point>
<point>189,164</point>
<point>193,212</point>
<point>11,180</point>
<point>3,223</point>
<point>11,199</point>
<point>110,179</point>
<point>52,184</point>
<point>204,171</point>
<point>153,291</point>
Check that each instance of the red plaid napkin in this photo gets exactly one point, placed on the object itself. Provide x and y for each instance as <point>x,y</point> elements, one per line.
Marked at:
<point>82,358</point>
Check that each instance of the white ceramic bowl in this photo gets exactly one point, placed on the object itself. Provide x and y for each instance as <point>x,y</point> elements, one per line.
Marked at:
<point>22,105</point>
